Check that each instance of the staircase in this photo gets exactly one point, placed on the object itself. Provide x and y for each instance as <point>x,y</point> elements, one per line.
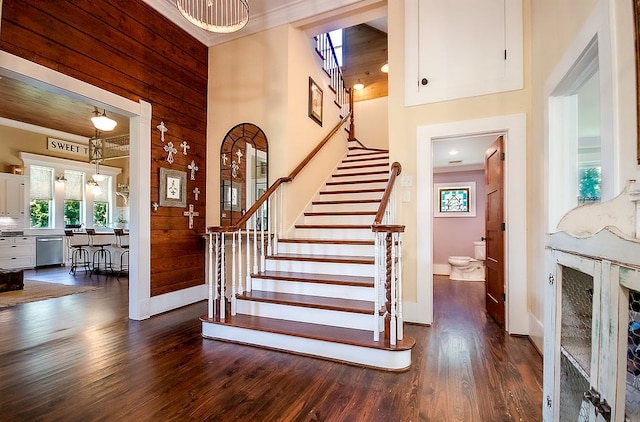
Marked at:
<point>315,294</point>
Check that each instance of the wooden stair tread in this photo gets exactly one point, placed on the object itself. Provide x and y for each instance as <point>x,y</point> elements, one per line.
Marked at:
<point>323,258</point>
<point>344,280</point>
<point>350,336</point>
<point>351,191</point>
<point>317,302</point>
<point>354,182</point>
<point>334,226</point>
<point>345,213</point>
<point>361,173</point>
<point>327,241</point>
<point>346,201</point>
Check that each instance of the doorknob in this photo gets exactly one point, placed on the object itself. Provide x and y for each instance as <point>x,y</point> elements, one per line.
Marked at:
<point>484,239</point>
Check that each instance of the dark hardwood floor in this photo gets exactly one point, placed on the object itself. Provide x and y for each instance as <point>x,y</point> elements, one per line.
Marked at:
<point>79,358</point>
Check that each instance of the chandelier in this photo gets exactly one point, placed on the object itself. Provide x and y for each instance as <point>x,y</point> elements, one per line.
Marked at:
<point>223,16</point>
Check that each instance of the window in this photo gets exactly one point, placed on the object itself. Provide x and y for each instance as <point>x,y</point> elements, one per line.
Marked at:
<point>336,41</point>
<point>41,196</point>
<point>73,197</point>
<point>101,195</point>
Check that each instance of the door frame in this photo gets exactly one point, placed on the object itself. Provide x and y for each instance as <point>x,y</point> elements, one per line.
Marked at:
<point>513,127</point>
<point>139,162</point>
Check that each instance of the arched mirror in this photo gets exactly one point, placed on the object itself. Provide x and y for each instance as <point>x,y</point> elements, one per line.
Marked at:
<point>244,173</point>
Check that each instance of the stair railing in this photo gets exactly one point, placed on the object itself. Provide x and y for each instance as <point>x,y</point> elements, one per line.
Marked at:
<point>246,257</point>
<point>330,64</point>
<point>388,264</point>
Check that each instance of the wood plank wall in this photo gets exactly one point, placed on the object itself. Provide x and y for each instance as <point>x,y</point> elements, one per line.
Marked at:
<point>126,47</point>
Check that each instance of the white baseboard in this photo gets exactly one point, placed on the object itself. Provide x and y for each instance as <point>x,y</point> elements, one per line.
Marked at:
<point>174,300</point>
<point>536,332</point>
<point>441,269</point>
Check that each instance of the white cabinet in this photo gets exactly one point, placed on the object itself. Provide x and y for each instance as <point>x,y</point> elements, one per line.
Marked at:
<point>462,48</point>
<point>12,195</point>
<point>592,328</point>
<point>17,252</point>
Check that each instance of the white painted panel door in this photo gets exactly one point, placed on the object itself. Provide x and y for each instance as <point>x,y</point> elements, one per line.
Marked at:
<point>462,48</point>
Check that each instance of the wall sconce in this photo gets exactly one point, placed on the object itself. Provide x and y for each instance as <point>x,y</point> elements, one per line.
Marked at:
<point>95,186</point>
<point>61,178</point>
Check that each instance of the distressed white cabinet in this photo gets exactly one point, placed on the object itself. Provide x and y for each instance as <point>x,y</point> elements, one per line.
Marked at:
<point>17,252</point>
<point>12,199</point>
<point>462,48</point>
<point>592,328</point>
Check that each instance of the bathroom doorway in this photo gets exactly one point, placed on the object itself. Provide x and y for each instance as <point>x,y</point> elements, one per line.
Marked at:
<point>513,127</point>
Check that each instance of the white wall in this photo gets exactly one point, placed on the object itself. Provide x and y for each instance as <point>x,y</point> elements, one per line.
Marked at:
<point>372,126</point>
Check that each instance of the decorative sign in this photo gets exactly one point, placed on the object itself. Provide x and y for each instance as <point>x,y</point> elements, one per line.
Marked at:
<point>67,147</point>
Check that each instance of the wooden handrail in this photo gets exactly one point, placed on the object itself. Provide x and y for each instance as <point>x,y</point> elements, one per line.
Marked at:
<point>396,169</point>
<point>256,205</point>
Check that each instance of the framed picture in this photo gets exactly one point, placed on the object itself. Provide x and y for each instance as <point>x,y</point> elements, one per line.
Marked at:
<point>173,188</point>
<point>315,102</point>
<point>455,200</point>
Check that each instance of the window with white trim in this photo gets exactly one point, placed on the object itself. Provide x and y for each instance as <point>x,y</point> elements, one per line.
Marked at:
<point>41,197</point>
<point>73,199</point>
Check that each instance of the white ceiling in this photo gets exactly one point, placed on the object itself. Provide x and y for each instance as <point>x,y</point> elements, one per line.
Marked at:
<point>314,16</point>
<point>469,152</point>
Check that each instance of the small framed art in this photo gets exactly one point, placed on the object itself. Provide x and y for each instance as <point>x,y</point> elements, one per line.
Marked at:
<point>173,188</point>
<point>315,102</point>
<point>455,200</point>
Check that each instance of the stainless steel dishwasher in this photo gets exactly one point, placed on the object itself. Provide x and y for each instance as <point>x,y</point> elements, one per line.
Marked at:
<point>49,250</point>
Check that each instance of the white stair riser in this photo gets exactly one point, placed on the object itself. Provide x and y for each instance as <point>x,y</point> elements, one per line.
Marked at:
<point>383,359</point>
<point>303,314</point>
<point>325,249</point>
<point>356,206</point>
<point>362,154</point>
<point>355,186</point>
<point>338,219</point>
<point>356,196</point>
<point>313,289</point>
<point>320,267</point>
<point>357,168</point>
<point>332,234</point>
<point>359,177</point>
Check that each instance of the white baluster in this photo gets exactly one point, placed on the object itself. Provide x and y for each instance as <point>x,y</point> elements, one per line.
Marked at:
<point>394,332</point>
<point>233,273</point>
<point>376,288</point>
<point>262,252</point>
<point>240,278</point>
<point>248,258</point>
<point>210,308</point>
<point>223,277</point>
<point>255,243</point>
<point>269,248</point>
<point>400,317</point>
<point>273,224</point>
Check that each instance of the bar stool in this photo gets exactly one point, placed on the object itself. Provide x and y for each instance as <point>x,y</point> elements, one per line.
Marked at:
<point>101,256</point>
<point>79,254</point>
<point>124,250</point>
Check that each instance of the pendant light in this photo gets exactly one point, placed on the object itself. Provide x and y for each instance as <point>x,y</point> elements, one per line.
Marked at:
<point>102,122</point>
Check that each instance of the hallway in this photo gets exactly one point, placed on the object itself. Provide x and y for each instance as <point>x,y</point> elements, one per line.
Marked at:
<point>79,358</point>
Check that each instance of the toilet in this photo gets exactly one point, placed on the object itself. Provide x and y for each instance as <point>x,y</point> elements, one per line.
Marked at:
<point>465,268</point>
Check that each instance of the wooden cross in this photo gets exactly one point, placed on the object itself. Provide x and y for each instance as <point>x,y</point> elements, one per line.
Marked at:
<point>196,192</point>
<point>191,214</point>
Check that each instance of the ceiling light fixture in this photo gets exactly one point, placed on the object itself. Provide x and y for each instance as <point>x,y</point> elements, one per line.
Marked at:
<point>358,85</point>
<point>223,16</point>
<point>385,68</point>
<point>102,122</point>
